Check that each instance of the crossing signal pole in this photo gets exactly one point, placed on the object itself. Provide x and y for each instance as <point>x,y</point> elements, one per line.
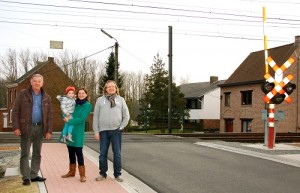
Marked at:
<point>277,89</point>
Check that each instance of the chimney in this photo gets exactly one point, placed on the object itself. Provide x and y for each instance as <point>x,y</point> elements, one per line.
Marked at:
<point>51,59</point>
<point>213,79</point>
<point>297,41</point>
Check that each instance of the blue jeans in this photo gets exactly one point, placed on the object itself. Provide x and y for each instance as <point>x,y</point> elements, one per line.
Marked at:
<point>115,138</point>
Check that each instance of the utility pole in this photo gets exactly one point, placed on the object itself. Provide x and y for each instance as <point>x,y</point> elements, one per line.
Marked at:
<point>170,82</point>
<point>116,61</point>
<point>116,55</point>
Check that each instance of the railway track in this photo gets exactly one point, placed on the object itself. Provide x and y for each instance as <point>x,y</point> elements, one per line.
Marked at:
<point>229,137</point>
<point>241,137</point>
<point>9,137</point>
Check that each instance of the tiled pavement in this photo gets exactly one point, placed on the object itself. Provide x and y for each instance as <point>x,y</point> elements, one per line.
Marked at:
<point>55,162</point>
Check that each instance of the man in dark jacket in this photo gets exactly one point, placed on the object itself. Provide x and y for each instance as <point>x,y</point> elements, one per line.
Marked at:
<point>32,120</point>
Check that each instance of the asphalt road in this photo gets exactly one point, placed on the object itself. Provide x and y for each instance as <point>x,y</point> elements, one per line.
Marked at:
<point>174,165</point>
<point>177,165</point>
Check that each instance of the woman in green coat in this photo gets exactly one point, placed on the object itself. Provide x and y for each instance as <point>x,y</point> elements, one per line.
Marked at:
<point>81,113</point>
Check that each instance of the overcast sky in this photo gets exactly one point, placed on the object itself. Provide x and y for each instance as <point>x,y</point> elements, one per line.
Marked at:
<point>210,37</point>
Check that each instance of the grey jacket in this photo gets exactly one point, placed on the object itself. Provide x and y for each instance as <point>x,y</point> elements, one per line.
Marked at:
<point>107,118</point>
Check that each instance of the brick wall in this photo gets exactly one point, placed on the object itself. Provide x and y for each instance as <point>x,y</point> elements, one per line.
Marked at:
<point>211,124</point>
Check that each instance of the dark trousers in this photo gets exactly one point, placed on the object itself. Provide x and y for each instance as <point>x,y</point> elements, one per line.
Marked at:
<point>75,152</point>
<point>34,137</point>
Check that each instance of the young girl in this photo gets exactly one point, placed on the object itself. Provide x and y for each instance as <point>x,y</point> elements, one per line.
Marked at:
<point>67,105</point>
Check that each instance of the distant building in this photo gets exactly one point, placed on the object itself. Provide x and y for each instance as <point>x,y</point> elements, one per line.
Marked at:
<point>242,102</point>
<point>203,101</point>
<point>55,83</point>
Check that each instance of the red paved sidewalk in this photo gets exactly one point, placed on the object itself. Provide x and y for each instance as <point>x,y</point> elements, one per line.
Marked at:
<point>55,162</point>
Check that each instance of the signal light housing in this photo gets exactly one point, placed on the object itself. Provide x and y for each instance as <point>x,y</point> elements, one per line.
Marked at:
<point>277,99</point>
<point>266,87</point>
<point>289,88</point>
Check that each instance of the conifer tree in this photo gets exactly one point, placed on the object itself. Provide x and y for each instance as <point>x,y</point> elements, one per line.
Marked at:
<point>110,73</point>
<point>154,104</point>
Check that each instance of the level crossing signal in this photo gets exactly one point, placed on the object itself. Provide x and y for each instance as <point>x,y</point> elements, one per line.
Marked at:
<point>277,89</point>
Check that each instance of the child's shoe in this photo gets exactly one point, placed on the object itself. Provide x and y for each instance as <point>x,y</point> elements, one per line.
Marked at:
<point>69,137</point>
<point>63,139</point>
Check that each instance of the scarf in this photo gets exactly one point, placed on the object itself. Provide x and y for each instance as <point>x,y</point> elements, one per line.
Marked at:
<point>112,100</point>
<point>81,102</point>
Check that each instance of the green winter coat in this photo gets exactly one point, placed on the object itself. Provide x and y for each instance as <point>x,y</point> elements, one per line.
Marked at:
<point>80,115</point>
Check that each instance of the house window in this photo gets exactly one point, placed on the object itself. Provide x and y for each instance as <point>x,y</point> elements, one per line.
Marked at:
<point>10,116</point>
<point>227,98</point>
<point>11,96</point>
<point>246,125</point>
<point>246,97</point>
<point>195,103</point>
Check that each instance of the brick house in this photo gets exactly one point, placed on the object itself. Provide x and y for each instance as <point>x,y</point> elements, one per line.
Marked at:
<point>242,102</point>
<point>203,102</point>
<point>55,82</point>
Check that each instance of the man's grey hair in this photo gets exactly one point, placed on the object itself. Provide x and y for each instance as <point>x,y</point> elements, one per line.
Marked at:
<point>37,75</point>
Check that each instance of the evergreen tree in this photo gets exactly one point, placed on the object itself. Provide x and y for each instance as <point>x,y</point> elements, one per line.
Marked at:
<point>110,73</point>
<point>154,104</point>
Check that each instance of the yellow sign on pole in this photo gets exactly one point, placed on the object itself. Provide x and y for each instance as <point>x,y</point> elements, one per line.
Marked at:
<point>265,39</point>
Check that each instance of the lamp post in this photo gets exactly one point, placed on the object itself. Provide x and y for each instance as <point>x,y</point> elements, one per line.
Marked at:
<point>116,55</point>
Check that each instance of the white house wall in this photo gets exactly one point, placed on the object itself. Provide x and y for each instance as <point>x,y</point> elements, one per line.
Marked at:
<point>211,107</point>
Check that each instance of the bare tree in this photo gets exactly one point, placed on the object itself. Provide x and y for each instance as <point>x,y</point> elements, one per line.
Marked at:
<point>133,86</point>
<point>24,59</point>
<point>75,69</point>
<point>84,72</point>
<point>97,70</point>
<point>184,80</point>
<point>38,56</point>
<point>9,63</point>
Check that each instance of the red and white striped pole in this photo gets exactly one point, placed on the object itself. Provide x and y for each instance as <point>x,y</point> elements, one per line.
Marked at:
<point>271,124</point>
<point>271,111</point>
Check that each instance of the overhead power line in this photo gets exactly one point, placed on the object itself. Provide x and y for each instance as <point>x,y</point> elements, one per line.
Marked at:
<point>257,18</point>
<point>146,31</point>
<point>62,11</point>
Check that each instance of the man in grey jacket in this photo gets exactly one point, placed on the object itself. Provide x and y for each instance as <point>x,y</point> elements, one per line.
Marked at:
<point>111,116</point>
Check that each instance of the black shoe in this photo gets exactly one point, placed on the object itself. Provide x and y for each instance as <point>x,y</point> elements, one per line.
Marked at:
<point>26,182</point>
<point>38,179</point>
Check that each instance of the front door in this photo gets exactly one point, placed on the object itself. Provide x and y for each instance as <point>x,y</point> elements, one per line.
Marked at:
<point>228,125</point>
